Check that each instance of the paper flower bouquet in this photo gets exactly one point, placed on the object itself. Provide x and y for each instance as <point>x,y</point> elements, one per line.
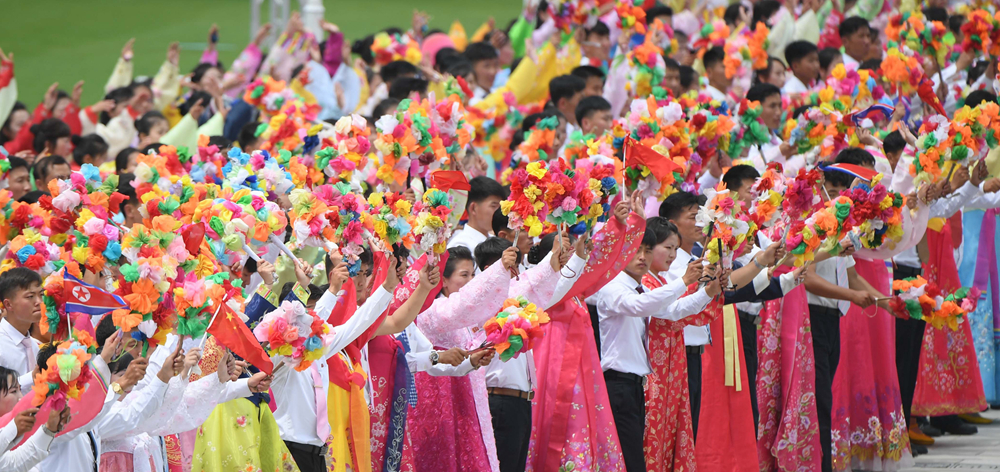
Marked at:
<point>515,328</point>
<point>294,333</point>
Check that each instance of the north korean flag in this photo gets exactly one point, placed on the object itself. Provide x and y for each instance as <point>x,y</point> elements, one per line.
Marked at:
<point>82,297</point>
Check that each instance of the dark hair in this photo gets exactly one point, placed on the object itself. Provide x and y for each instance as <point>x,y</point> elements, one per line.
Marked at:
<point>671,64</point>
<point>8,381</point>
<point>676,203</point>
<point>185,107</point>
<point>760,73</point>
<point>732,13</point>
<point>45,351</point>
<point>18,278</point>
<point>852,25</point>
<point>146,122</point>
<point>18,106</point>
<point>736,175</point>
<point>533,119</point>
<point>125,188</point>
<point>404,86</point>
<point>41,169</point>
<point>537,252</point>
<point>762,12</point>
<point>590,105</point>
<point>586,72</point>
<point>219,141</point>
<point>367,257</point>
<point>445,57</point>
<point>713,56</point>
<point>565,86</point>
<point>826,57</point>
<point>151,147</point>
<point>857,156</point>
<point>121,363</point>
<point>48,132</point>
<point>936,14</point>
<point>396,69</point>
<point>481,188</point>
<point>658,10</point>
<point>32,196</point>
<point>649,238</point>
<point>90,145</point>
<point>762,91</point>
<point>460,67</point>
<point>383,108</point>
<point>870,64</point>
<point>688,76</point>
<point>118,95</point>
<point>955,23</point>
<point>798,50</point>
<point>978,97</point>
<point>662,228</point>
<point>248,134</point>
<point>500,222</point>
<point>105,328</point>
<point>490,251</point>
<point>17,162</point>
<point>481,51</point>
<point>201,69</point>
<point>599,29</point>
<point>455,255</point>
<point>893,142</point>
<point>363,47</point>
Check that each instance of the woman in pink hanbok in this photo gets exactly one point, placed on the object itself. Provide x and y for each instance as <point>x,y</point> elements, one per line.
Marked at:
<point>572,427</point>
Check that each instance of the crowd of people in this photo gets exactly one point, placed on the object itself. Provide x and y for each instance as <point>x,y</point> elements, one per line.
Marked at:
<point>607,236</point>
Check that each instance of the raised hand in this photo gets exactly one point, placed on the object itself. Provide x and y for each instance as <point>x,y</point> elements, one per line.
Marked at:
<point>58,419</point>
<point>259,382</point>
<point>127,49</point>
<point>430,277</point>
<point>694,271</point>
<point>77,93</point>
<point>24,421</point>
<point>110,350</point>
<point>392,278</point>
<point>172,365</point>
<point>51,95</point>
<point>134,373</point>
<point>509,258</point>
<point>174,53</point>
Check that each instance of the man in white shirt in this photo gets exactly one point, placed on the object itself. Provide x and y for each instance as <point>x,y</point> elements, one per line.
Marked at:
<point>566,91</point>
<point>714,61</point>
<point>485,195</point>
<point>21,294</point>
<point>802,58</point>
<point>624,307</point>
<point>855,35</point>
<point>36,447</point>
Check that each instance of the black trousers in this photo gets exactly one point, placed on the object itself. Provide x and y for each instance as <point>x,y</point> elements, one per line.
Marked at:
<point>512,430</point>
<point>909,339</point>
<point>594,321</point>
<point>826,348</point>
<point>748,331</point>
<point>628,406</point>
<point>694,388</point>
<point>308,458</point>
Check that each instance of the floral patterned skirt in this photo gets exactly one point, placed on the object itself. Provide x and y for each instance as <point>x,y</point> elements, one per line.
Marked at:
<point>240,437</point>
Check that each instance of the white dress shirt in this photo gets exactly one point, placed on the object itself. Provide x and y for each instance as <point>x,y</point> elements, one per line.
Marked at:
<point>15,349</point>
<point>623,313</point>
<point>793,85</point>
<point>693,335</point>
<point>29,454</point>
<point>850,63</point>
<point>753,308</point>
<point>468,237</point>
<point>828,269</point>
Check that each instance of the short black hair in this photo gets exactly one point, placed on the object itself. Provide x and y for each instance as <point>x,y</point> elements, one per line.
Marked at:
<point>481,188</point>
<point>18,278</point>
<point>481,51</point>
<point>146,122</point>
<point>851,155</point>
<point>658,10</point>
<point>599,29</point>
<point>396,69</point>
<point>490,251</point>
<point>671,64</point>
<point>798,50</point>
<point>220,142</point>
<point>870,64</point>
<point>762,91</point>
<point>565,86</point>
<point>16,163</point>
<point>538,252</point>
<point>105,328</point>
<point>662,227</point>
<point>33,196</point>
<point>455,255</point>
<point>893,142</point>
<point>736,175</point>
<point>383,108</point>
<point>152,147</point>
<point>732,13</point>
<point>195,97</point>
<point>460,67</point>
<point>826,57</point>
<point>676,203</point>
<point>978,97</point>
<point>649,238</point>
<point>936,14</point>
<point>45,351</point>
<point>955,23</point>
<point>403,87</point>
<point>48,131</point>
<point>763,11</point>
<point>688,76</point>
<point>446,57</point>
<point>586,72</point>
<point>590,105</point>
<point>713,56</point>
<point>41,169</point>
<point>121,363</point>
<point>90,145</point>
<point>852,25</point>
<point>500,222</point>
<point>248,134</point>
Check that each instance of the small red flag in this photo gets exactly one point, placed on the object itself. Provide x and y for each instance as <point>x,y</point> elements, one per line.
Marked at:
<point>659,165</point>
<point>230,331</point>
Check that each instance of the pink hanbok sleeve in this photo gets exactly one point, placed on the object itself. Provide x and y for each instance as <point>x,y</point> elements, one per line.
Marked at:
<point>471,306</point>
<point>245,66</point>
<point>537,284</point>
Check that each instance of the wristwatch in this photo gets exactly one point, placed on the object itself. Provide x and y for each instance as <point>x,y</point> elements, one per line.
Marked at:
<point>434,357</point>
<point>117,388</point>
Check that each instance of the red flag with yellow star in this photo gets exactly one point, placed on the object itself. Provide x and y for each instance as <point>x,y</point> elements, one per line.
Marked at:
<point>230,331</point>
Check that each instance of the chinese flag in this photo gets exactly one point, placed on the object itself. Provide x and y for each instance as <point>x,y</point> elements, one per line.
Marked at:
<point>659,165</point>
<point>230,331</point>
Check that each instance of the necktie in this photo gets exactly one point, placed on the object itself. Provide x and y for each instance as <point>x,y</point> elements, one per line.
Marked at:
<point>322,423</point>
<point>696,250</point>
<point>29,353</point>
<point>93,448</point>
<point>411,385</point>
<point>645,323</point>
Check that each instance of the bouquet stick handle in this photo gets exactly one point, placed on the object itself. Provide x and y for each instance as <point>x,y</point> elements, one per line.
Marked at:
<point>250,252</point>
<point>281,246</point>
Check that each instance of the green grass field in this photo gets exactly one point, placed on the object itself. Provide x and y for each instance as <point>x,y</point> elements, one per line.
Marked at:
<point>65,41</point>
